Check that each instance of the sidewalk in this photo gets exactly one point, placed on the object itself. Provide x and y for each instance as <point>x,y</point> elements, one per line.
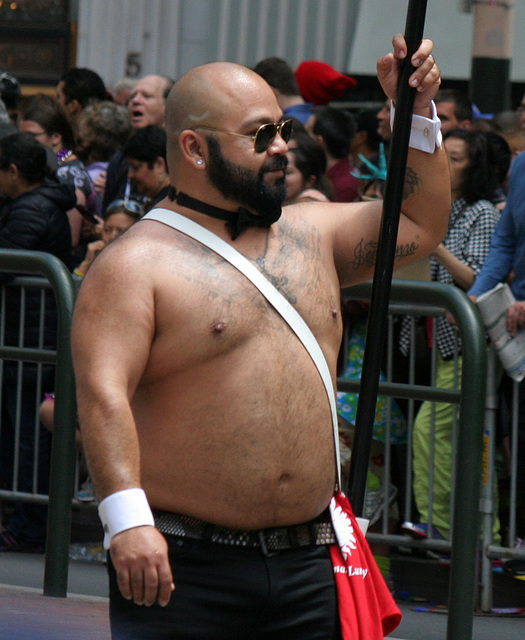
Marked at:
<point>25,614</point>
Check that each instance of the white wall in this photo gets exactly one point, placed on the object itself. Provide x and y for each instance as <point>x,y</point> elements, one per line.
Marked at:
<point>111,35</point>
<point>171,36</point>
<point>450,29</point>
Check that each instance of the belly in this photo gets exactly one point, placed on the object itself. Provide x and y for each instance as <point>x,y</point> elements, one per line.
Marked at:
<point>244,440</point>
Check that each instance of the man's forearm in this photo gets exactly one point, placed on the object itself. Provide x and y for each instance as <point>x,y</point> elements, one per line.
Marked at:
<point>110,443</point>
<point>426,189</point>
<point>426,194</point>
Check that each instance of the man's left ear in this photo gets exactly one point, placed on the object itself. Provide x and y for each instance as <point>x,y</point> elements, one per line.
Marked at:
<point>190,143</point>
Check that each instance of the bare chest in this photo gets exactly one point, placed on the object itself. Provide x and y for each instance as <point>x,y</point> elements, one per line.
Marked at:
<point>207,309</point>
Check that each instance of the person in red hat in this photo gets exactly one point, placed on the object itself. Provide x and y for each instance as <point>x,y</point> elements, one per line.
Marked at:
<point>320,84</point>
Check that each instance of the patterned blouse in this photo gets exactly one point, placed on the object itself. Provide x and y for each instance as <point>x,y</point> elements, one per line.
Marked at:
<point>470,229</point>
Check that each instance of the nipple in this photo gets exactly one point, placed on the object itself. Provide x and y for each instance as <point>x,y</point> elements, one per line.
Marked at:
<point>218,328</point>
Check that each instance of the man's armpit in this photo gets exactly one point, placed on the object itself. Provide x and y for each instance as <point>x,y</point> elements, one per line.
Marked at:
<point>365,253</point>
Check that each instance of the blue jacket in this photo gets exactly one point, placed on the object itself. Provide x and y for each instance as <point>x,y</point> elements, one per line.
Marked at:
<point>507,247</point>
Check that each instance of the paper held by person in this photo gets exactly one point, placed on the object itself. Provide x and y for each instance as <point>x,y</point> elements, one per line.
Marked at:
<point>494,306</point>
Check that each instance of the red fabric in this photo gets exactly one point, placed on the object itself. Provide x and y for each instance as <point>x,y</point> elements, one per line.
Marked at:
<point>320,83</point>
<point>366,608</point>
<point>346,186</point>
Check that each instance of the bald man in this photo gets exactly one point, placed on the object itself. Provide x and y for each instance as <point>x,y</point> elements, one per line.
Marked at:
<point>200,412</point>
<point>147,101</point>
<point>146,105</point>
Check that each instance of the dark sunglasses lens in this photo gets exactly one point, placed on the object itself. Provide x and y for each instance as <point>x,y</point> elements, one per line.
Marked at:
<point>266,134</point>
<point>264,137</point>
<point>286,130</point>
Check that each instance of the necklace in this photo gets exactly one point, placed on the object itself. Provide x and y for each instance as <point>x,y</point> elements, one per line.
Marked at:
<point>237,221</point>
<point>63,155</point>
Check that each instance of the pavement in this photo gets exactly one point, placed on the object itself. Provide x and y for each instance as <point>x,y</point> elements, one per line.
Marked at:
<point>25,614</point>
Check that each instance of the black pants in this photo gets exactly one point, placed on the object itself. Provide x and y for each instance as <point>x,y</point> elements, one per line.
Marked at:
<point>505,430</point>
<point>231,593</point>
<point>29,521</point>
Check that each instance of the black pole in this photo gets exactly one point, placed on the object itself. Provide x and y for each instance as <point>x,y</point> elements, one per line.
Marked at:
<point>490,86</point>
<point>377,319</point>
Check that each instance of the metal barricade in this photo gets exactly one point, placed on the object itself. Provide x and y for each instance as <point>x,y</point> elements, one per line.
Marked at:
<point>424,298</point>
<point>511,550</point>
<point>53,274</point>
<point>474,432</point>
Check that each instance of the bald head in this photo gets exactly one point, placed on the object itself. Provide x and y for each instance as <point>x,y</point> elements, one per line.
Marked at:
<point>216,95</point>
<point>147,101</point>
<point>205,94</point>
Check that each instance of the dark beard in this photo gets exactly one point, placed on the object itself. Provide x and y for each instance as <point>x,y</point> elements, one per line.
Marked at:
<point>244,187</point>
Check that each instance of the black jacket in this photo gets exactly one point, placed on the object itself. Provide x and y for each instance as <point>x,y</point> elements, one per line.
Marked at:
<point>36,220</point>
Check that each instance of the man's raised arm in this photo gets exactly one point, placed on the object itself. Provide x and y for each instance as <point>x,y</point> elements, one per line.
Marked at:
<point>426,193</point>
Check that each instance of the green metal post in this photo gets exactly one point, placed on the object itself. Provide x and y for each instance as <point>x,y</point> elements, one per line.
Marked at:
<point>466,533</point>
<point>63,446</point>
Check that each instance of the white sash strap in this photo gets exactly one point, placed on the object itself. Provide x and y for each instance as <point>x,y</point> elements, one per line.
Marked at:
<point>274,297</point>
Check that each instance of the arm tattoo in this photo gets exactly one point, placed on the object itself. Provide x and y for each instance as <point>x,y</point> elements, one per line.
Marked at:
<point>365,253</point>
<point>412,183</point>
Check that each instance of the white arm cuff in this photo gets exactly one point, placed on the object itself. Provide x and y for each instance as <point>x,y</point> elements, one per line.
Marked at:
<point>124,510</point>
<point>425,134</point>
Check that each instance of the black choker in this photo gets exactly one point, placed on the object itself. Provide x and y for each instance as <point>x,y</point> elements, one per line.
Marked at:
<point>237,221</point>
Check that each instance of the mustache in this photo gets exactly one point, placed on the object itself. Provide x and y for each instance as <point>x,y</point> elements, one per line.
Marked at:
<point>275,164</point>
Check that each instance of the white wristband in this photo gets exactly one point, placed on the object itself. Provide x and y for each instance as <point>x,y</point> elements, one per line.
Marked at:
<point>124,510</point>
<point>425,134</point>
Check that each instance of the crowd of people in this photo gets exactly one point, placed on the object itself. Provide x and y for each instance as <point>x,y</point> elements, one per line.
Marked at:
<point>481,150</point>
<point>61,155</point>
<point>79,169</point>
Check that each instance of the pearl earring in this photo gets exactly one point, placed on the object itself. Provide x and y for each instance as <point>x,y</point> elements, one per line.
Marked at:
<point>200,162</point>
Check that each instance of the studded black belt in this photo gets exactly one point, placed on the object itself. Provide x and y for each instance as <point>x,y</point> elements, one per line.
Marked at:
<point>268,540</point>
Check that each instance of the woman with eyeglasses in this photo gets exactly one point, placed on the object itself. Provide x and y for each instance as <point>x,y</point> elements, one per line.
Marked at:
<point>119,217</point>
<point>44,118</point>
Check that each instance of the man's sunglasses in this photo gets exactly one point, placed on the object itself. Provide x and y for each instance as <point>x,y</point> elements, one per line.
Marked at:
<point>265,134</point>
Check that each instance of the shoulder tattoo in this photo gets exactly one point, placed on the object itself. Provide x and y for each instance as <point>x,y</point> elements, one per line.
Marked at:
<point>412,183</point>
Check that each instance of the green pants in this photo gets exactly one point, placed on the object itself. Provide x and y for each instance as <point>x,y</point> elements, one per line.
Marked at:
<point>442,414</point>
